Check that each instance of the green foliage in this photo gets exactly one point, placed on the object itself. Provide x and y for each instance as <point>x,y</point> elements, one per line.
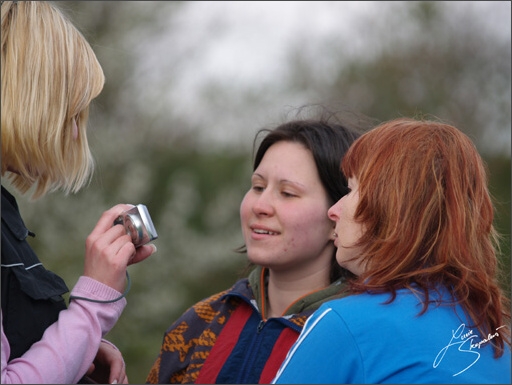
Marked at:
<point>499,184</point>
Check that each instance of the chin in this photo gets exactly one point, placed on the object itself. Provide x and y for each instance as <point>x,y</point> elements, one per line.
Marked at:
<point>261,260</point>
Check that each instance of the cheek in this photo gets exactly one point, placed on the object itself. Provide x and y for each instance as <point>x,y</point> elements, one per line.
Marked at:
<point>346,211</point>
<point>312,225</point>
<point>245,216</point>
<point>245,207</point>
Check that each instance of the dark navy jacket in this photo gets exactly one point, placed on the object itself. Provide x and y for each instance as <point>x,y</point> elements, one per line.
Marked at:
<point>31,295</point>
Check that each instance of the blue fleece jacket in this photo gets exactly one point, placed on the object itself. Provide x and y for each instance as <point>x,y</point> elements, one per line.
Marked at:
<point>360,339</point>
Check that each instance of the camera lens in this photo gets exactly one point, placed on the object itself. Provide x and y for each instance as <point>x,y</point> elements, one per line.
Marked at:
<point>133,227</point>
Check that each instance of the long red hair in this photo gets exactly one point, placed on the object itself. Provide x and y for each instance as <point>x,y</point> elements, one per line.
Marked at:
<point>428,216</point>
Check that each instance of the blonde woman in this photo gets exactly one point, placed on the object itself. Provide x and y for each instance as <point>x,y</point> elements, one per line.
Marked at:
<point>49,77</point>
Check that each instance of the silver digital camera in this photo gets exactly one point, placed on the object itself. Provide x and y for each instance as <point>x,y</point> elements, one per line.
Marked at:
<point>138,224</point>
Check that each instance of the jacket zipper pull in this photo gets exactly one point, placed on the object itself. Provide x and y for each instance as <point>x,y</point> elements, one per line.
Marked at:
<point>260,325</point>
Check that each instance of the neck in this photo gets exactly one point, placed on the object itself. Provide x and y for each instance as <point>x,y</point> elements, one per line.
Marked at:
<point>284,289</point>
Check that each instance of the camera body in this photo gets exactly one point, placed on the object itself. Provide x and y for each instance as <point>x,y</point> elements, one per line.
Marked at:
<point>138,224</point>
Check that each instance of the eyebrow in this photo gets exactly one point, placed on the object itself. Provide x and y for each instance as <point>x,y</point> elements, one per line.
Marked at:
<point>281,181</point>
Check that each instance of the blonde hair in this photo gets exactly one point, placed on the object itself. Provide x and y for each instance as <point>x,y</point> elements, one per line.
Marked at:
<point>50,75</point>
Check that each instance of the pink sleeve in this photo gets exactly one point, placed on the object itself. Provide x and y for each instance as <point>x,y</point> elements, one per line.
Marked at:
<point>68,346</point>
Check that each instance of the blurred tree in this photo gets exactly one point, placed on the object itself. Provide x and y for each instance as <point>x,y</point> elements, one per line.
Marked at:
<point>419,58</point>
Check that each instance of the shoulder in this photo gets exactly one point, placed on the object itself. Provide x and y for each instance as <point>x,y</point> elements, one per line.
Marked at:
<point>357,302</point>
<point>380,310</point>
<point>365,316</point>
<point>218,306</point>
<point>362,302</point>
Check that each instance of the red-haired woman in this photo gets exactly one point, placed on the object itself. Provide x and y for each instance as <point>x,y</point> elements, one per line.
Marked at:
<point>417,231</point>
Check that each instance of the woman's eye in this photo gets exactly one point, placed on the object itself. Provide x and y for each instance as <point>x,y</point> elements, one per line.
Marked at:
<point>288,194</point>
<point>258,188</point>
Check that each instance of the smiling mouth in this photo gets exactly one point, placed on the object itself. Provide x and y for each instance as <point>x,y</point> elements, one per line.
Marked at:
<point>259,231</point>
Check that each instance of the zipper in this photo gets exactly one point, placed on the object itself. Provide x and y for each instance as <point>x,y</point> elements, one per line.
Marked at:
<point>260,326</point>
<point>252,350</point>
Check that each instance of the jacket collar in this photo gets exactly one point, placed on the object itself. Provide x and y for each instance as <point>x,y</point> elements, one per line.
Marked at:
<point>258,281</point>
<point>11,217</point>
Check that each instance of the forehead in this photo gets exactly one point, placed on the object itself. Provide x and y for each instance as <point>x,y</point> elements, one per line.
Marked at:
<point>289,160</point>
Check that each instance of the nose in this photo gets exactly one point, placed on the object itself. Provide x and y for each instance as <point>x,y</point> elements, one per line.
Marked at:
<point>333,211</point>
<point>263,205</point>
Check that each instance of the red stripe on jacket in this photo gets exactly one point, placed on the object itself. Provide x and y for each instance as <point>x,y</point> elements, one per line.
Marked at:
<point>276,358</point>
<point>225,343</point>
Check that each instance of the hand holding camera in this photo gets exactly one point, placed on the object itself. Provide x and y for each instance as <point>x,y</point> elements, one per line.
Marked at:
<point>109,252</point>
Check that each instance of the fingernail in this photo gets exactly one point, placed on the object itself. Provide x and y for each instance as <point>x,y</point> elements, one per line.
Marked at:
<point>114,382</point>
<point>154,248</point>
